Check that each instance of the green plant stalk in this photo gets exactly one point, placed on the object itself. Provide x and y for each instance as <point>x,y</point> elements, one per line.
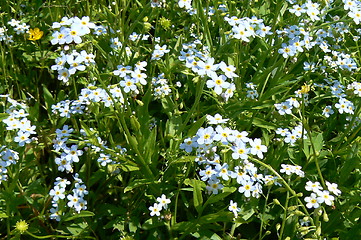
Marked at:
<point>284,183</point>
<point>200,87</point>
<point>356,113</point>
<point>264,210</point>
<point>204,22</point>
<point>57,236</point>
<point>315,154</point>
<point>8,230</point>
<point>233,228</point>
<point>285,216</point>
<point>120,117</point>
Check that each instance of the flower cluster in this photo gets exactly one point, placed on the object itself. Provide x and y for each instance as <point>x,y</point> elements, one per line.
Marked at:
<point>132,79</point>
<point>4,37</point>
<point>160,86</point>
<point>19,27</point>
<point>69,155</point>
<point>75,199</point>
<point>291,135</point>
<point>289,169</point>
<point>354,8</point>
<point>91,94</point>
<point>206,142</point>
<point>17,120</point>
<point>7,158</point>
<point>187,4</point>
<point>162,203</point>
<point>203,65</point>
<point>310,9</point>
<point>319,195</point>
<point>69,64</point>
<point>233,207</point>
<point>71,31</point>
<point>247,28</point>
<point>251,90</point>
<point>159,52</point>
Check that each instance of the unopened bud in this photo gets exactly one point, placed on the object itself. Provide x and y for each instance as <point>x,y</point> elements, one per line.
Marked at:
<point>275,201</point>
<point>278,226</point>
<point>299,213</point>
<point>325,216</point>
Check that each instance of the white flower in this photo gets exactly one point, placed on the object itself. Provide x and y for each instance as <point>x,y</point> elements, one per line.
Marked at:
<point>312,201</point>
<point>155,209</point>
<point>257,148</point>
<point>163,201</point>
<point>233,208</point>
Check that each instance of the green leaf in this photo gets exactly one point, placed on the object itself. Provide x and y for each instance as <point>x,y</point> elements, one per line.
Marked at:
<point>3,215</point>
<point>195,126</point>
<point>49,100</point>
<point>183,159</point>
<point>80,215</point>
<point>197,195</point>
<point>318,143</point>
<point>218,197</point>
<point>128,167</point>
<point>216,217</point>
<point>152,223</point>
<point>264,124</point>
<point>77,229</point>
<point>3,116</point>
<point>183,226</point>
<point>245,215</point>
<point>137,183</point>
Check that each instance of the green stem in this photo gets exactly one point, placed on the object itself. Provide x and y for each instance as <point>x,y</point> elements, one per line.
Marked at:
<point>234,226</point>
<point>58,236</point>
<point>263,213</point>
<point>200,86</point>
<point>293,193</point>
<point>285,216</point>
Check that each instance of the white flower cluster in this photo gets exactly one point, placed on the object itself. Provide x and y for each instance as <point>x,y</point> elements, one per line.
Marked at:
<point>291,136</point>
<point>187,4</point>
<point>310,8</point>
<point>338,90</point>
<point>203,65</point>
<point>162,203</point>
<point>67,108</point>
<point>68,64</point>
<point>205,144</point>
<point>17,120</point>
<point>289,169</point>
<point>354,8</point>
<point>319,195</point>
<point>19,27</point>
<point>4,37</point>
<point>287,106</point>
<point>7,158</point>
<point>298,40</point>
<point>72,31</point>
<point>251,91</point>
<point>159,52</point>
<point>160,86</point>
<point>69,155</point>
<point>355,87</point>
<point>132,79</point>
<point>247,28</point>
<point>75,200</point>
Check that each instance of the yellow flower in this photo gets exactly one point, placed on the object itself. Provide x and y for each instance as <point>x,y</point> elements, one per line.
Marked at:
<point>21,226</point>
<point>35,34</point>
<point>305,89</point>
